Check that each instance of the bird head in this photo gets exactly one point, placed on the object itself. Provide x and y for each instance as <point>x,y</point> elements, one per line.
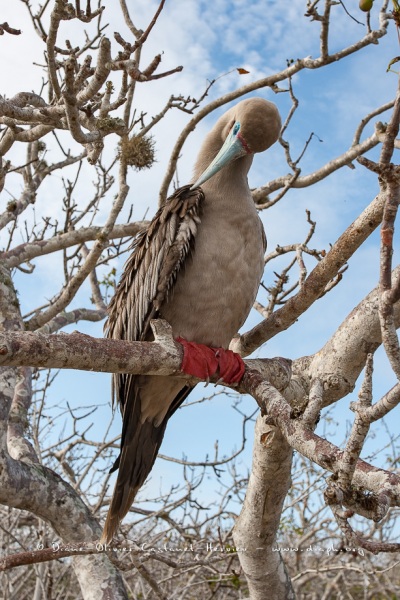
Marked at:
<point>251,126</point>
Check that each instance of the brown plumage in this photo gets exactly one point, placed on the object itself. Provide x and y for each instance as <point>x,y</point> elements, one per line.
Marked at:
<point>198,265</point>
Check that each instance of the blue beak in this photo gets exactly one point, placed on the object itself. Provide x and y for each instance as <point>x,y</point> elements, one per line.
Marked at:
<point>231,149</point>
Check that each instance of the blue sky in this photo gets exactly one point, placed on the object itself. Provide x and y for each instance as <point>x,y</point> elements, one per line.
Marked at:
<point>210,39</point>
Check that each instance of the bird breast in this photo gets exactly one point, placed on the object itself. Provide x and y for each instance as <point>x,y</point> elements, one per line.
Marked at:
<point>217,286</point>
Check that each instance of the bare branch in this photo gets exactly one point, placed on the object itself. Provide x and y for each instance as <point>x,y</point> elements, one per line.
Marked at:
<point>5,28</point>
<point>316,281</point>
<point>90,262</point>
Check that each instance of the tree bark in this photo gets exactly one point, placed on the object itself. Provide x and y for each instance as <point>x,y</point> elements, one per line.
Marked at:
<point>256,528</point>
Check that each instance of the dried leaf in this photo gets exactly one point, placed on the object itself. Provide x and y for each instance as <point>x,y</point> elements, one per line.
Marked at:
<point>392,62</point>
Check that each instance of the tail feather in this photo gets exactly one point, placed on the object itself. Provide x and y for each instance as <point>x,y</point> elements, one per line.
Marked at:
<point>140,444</point>
<point>135,463</point>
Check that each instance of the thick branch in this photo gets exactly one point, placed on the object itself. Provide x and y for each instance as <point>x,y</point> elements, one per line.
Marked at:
<point>85,353</point>
<point>317,449</point>
<point>339,363</point>
<point>257,526</point>
<point>163,357</point>
<point>315,283</point>
<point>36,488</point>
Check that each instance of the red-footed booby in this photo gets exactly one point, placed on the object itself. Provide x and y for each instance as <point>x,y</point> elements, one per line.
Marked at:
<point>198,265</point>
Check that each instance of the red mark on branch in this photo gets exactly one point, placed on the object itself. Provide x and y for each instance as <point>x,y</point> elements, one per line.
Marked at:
<point>387,236</point>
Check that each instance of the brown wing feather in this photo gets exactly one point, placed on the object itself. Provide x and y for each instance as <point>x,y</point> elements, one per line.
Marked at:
<point>159,252</point>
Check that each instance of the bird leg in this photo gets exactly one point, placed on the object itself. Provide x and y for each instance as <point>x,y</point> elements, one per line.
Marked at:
<point>200,360</point>
<point>203,362</point>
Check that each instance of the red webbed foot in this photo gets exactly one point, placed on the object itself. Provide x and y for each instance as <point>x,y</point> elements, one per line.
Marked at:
<point>204,362</point>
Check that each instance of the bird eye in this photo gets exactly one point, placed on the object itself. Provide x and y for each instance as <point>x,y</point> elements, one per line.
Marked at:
<point>236,128</point>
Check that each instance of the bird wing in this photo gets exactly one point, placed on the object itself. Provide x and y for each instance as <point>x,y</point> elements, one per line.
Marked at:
<point>158,253</point>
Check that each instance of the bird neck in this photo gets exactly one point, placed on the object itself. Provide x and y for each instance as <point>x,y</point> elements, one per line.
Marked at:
<point>232,179</point>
